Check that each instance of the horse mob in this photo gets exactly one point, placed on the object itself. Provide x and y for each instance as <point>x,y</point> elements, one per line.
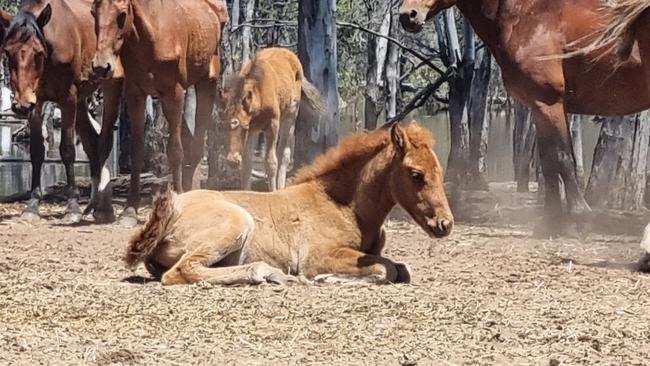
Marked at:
<point>328,224</point>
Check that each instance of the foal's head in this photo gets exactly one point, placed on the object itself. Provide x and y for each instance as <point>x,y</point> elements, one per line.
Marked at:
<point>238,104</point>
<point>416,179</point>
<point>414,13</point>
<point>26,50</point>
<point>113,20</point>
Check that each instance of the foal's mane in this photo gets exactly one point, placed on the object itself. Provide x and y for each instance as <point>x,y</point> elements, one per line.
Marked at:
<point>358,146</point>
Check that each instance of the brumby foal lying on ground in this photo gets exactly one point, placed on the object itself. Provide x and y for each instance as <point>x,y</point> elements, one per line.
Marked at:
<point>48,48</point>
<point>165,47</point>
<point>330,222</point>
<point>265,97</point>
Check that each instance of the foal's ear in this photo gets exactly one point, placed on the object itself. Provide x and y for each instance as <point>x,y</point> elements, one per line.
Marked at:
<point>44,16</point>
<point>399,138</point>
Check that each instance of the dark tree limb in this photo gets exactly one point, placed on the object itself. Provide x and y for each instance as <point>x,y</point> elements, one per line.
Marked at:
<point>420,98</point>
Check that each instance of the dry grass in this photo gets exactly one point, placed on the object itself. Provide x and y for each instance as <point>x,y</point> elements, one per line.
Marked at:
<point>485,296</point>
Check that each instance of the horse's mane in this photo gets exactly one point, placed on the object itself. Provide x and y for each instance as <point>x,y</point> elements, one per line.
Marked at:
<point>24,27</point>
<point>358,146</point>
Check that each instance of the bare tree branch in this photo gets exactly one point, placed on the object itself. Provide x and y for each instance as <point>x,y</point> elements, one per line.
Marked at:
<point>420,98</point>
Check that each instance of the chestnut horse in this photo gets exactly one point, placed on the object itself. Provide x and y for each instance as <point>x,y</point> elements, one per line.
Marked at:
<point>164,47</point>
<point>48,48</point>
<point>265,97</point>
<point>328,225</point>
<point>521,34</point>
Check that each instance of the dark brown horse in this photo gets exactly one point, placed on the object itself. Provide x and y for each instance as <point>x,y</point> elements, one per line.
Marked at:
<point>521,35</point>
<point>49,47</point>
<point>164,47</point>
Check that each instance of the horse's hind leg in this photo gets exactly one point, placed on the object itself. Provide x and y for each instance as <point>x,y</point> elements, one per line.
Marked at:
<point>349,265</point>
<point>172,105</point>
<point>89,139</point>
<point>206,91</point>
<point>558,160</point>
<point>37,156</point>
<point>135,100</point>
<point>68,156</point>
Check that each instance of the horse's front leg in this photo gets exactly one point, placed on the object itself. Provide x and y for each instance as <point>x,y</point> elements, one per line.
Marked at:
<point>558,160</point>
<point>37,156</point>
<point>68,155</point>
<point>172,105</point>
<point>348,265</point>
<point>271,158</point>
<point>101,202</point>
<point>135,100</point>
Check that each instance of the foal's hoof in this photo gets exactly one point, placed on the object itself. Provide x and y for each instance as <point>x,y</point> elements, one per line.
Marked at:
<point>644,263</point>
<point>129,218</point>
<point>280,278</point>
<point>403,273</point>
<point>30,217</point>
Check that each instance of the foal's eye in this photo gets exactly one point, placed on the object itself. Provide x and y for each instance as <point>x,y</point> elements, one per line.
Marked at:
<point>417,176</point>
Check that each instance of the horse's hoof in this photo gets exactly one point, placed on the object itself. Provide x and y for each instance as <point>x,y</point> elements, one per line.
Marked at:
<point>549,230</point>
<point>30,217</point>
<point>104,217</point>
<point>644,263</point>
<point>72,217</point>
<point>403,273</point>
<point>129,218</point>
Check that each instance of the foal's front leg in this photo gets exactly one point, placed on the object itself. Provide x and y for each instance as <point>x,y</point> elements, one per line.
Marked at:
<point>68,156</point>
<point>271,134</point>
<point>345,265</point>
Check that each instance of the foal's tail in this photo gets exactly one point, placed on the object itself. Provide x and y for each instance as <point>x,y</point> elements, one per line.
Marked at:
<point>156,231</point>
<point>312,97</point>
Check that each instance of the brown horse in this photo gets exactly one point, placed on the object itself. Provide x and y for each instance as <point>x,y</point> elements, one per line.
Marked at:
<point>265,97</point>
<point>48,48</point>
<point>328,225</point>
<point>164,47</point>
<point>521,35</point>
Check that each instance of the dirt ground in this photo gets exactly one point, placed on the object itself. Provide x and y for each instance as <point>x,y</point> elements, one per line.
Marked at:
<point>484,296</point>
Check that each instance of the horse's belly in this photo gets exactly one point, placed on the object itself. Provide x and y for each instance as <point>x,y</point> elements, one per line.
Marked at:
<point>595,89</point>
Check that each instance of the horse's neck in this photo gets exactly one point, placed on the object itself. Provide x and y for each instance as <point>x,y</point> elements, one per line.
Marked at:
<point>482,16</point>
<point>369,199</point>
<point>142,38</point>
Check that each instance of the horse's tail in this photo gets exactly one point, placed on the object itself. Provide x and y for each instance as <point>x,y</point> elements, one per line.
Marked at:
<point>311,97</point>
<point>156,231</point>
<point>617,32</point>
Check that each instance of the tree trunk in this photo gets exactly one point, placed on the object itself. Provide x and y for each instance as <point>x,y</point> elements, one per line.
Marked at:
<point>618,173</point>
<point>393,71</point>
<point>246,32</point>
<point>377,53</point>
<point>458,165</point>
<point>523,140</point>
<point>317,52</point>
<point>479,124</point>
